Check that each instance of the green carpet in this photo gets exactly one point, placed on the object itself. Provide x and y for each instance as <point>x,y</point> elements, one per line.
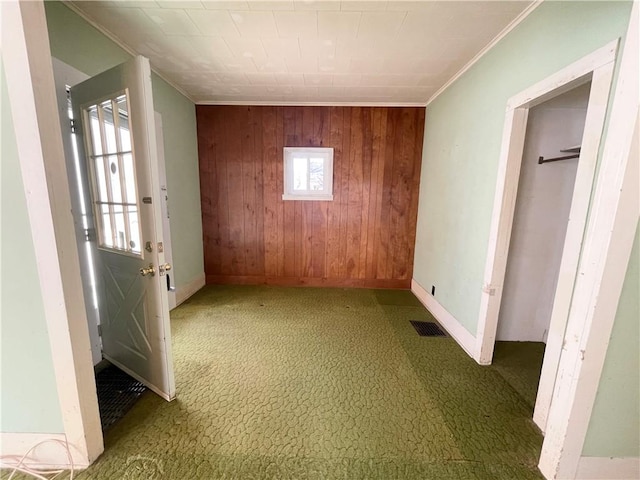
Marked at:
<point>520,364</point>
<point>310,383</point>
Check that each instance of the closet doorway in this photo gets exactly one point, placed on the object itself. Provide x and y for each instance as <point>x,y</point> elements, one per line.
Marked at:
<point>547,321</point>
<point>548,170</point>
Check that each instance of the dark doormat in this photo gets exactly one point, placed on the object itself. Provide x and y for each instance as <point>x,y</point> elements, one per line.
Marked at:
<point>428,329</point>
<point>117,393</point>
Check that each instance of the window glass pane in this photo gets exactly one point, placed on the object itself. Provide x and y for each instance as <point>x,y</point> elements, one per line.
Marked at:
<point>300,173</point>
<point>134,229</point>
<point>125,135</point>
<point>109,129</point>
<point>121,236</point>
<point>114,177</point>
<point>129,178</point>
<point>316,174</point>
<point>94,126</point>
<point>107,240</point>
<point>101,182</point>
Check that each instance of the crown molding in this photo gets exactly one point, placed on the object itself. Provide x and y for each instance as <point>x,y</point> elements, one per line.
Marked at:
<point>514,23</point>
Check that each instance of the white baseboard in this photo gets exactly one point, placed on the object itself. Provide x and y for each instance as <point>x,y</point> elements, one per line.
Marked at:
<point>608,468</point>
<point>460,334</point>
<point>185,291</point>
<point>48,454</point>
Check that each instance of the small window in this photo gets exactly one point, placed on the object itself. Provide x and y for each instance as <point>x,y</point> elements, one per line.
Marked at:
<point>308,173</point>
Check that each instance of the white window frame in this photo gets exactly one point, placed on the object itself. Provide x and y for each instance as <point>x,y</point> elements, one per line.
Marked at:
<point>320,195</point>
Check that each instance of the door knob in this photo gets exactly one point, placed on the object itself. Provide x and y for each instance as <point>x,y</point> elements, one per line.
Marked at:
<point>148,271</point>
<point>164,268</point>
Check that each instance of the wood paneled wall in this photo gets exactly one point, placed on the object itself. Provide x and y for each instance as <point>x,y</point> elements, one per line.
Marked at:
<point>364,237</point>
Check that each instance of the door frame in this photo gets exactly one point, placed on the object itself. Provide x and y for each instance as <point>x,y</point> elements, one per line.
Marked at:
<point>29,73</point>
<point>598,68</point>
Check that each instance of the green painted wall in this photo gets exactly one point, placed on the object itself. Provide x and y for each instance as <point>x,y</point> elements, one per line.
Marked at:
<point>29,397</point>
<point>614,428</point>
<point>80,45</point>
<point>463,132</point>
<point>183,179</point>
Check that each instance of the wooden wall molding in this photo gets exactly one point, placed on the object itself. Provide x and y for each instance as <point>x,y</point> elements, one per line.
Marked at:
<point>365,237</point>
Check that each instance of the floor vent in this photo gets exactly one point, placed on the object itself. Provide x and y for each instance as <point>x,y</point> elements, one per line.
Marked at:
<point>117,393</point>
<point>428,329</point>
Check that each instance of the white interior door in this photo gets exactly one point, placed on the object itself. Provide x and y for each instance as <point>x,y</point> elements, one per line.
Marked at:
<point>115,109</point>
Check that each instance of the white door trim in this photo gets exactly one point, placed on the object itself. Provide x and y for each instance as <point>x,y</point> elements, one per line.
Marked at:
<point>27,60</point>
<point>598,100</point>
<point>164,203</point>
<point>598,67</point>
<point>605,257</point>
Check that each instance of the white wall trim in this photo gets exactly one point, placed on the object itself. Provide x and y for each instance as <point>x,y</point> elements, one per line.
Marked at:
<point>30,82</point>
<point>608,468</point>
<point>607,247</point>
<point>50,454</point>
<point>187,290</point>
<point>514,23</point>
<point>115,39</point>
<point>457,331</point>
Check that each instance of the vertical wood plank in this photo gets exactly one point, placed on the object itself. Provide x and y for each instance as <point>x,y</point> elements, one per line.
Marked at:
<point>385,211</point>
<point>289,223</point>
<point>306,207</point>
<point>396,180</point>
<point>333,221</point>
<point>377,168</point>
<point>366,156</point>
<point>270,188</point>
<point>209,204</point>
<point>403,194</point>
<point>344,203</point>
<point>280,143</point>
<point>248,191</point>
<point>319,209</point>
<point>226,264</point>
<point>258,147</point>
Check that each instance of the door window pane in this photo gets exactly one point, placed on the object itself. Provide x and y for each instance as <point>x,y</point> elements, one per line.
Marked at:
<point>105,216</point>
<point>114,180</point>
<point>123,121</point>
<point>129,177</point>
<point>94,126</point>
<point>109,129</point>
<point>101,180</point>
<point>134,242</point>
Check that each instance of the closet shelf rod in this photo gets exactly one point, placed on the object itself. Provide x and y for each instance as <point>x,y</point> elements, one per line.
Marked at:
<point>542,160</point>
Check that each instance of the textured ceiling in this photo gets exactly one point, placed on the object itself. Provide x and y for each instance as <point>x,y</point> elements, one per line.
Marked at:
<point>305,51</point>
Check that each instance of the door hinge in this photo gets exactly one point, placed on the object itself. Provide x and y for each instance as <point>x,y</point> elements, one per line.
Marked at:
<point>99,330</point>
<point>72,123</point>
<point>89,234</point>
